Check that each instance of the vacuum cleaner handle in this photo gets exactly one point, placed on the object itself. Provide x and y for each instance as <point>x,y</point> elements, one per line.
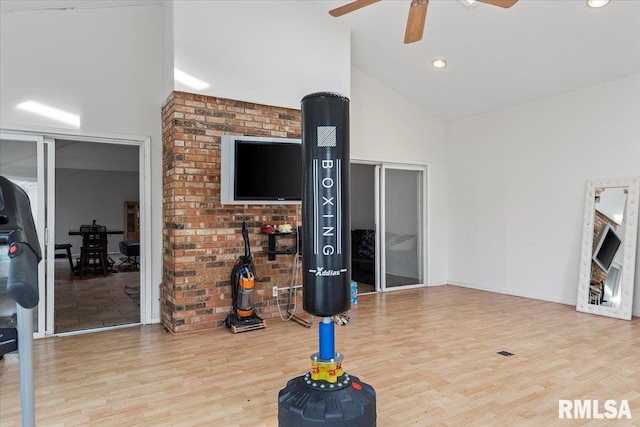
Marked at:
<point>245,236</point>
<point>17,223</point>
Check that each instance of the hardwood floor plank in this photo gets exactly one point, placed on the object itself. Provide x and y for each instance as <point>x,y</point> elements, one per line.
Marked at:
<point>430,354</point>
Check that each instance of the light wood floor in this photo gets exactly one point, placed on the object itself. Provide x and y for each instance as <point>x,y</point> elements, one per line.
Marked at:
<point>430,354</point>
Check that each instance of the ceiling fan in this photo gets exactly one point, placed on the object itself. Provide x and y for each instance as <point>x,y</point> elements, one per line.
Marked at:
<point>417,14</point>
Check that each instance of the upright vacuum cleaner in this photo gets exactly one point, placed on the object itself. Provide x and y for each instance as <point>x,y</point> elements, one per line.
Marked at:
<point>18,228</point>
<point>242,316</point>
<point>326,395</point>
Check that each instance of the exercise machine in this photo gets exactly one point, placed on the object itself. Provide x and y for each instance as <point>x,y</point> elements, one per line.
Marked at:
<point>18,230</point>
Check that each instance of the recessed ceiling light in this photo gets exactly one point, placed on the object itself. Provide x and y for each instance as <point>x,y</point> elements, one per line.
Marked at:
<point>186,79</point>
<point>50,112</point>
<point>439,63</point>
<point>597,3</point>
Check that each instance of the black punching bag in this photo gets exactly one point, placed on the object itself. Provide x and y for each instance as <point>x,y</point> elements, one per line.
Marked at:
<point>326,216</point>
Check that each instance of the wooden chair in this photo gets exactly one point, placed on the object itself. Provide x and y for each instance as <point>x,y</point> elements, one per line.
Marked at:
<point>93,253</point>
<point>66,247</point>
<point>596,292</point>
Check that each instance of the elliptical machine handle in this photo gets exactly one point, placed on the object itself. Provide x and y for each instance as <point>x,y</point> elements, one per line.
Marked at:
<point>22,283</point>
<point>16,221</point>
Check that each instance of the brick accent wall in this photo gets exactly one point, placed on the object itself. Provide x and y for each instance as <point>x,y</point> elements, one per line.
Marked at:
<point>201,238</point>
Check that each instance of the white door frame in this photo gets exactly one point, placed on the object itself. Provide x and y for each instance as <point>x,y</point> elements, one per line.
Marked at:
<point>40,215</point>
<point>425,254</point>
<point>50,241</point>
<point>423,267</point>
<point>144,144</point>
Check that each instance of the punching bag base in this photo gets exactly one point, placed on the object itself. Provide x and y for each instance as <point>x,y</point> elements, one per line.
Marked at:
<point>305,403</point>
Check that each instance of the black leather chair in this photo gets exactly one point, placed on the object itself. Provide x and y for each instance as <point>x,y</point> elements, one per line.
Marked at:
<point>130,249</point>
<point>363,251</point>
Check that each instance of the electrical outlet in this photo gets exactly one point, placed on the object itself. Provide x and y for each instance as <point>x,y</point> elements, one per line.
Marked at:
<point>274,291</point>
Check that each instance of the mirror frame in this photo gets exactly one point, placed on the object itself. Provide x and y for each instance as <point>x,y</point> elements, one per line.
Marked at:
<point>629,246</point>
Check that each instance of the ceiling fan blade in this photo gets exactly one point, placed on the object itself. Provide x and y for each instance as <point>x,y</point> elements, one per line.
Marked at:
<point>416,20</point>
<point>350,7</point>
<point>500,3</point>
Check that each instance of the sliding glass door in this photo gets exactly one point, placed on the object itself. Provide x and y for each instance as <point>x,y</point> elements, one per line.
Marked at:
<point>72,181</point>
<point>96,182</point>
<point>402,235</point>
<point>23,160</point>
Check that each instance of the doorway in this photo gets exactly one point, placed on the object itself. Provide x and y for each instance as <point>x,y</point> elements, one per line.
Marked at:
<point>389,223</point>
<point>94,184</point>
<point>78,179</point>
<point>403,219</point>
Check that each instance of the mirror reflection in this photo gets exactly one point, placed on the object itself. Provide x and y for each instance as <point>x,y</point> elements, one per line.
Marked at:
<point>608,240</point>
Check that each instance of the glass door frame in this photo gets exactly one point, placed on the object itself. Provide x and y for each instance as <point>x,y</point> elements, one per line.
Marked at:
<point>50,232</point>
<point>41,221</point>
<point>379,224</point>
<point>46,287</point>
<point>423,250</point>
<point>144,173</point>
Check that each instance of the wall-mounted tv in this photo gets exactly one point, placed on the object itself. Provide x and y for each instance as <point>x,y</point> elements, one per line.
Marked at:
<point>259,170</point>
<point>607,248</point>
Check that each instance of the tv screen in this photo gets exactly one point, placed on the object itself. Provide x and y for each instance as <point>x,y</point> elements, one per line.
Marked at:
<point>260,170</point>
<point>268,171</point>
<point>607,248</point>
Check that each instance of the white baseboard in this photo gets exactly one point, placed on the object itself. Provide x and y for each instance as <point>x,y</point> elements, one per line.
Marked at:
<point>573,302</point>
<point>437,284</point>
<point>530,295</point>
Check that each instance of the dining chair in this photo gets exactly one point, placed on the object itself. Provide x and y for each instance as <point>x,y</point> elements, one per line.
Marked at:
<point>66,247</point>
<point>93,253</point>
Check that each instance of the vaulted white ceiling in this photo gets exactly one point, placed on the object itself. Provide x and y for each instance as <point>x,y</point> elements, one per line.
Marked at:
<point>497,58</point>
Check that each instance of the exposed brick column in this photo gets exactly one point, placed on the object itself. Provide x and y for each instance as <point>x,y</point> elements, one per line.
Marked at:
<point>201,237</point>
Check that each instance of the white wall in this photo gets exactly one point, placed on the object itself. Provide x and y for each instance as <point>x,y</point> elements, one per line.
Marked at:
<point>517,182</point>
<point>103,196</point>
<point>272,53</point>
<point>103,64</point>
<point>386,126</point>
<point>92,182</point>
<point>167,48</point>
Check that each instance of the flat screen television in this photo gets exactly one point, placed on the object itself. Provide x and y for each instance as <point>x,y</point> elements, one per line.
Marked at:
<point>607,248</point>
<point>259,170</point>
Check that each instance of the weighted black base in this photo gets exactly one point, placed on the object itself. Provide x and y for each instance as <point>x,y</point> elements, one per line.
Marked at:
<point>305,403</point>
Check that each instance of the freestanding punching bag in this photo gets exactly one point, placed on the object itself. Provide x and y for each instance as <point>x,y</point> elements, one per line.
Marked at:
<point>326,215</point>
<point>326,395</point>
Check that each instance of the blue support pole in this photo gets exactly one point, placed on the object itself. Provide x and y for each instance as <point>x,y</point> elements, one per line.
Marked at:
<point>327,339</point>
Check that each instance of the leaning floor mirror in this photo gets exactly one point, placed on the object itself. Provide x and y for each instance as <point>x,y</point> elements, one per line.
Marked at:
<point>609,239</point>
